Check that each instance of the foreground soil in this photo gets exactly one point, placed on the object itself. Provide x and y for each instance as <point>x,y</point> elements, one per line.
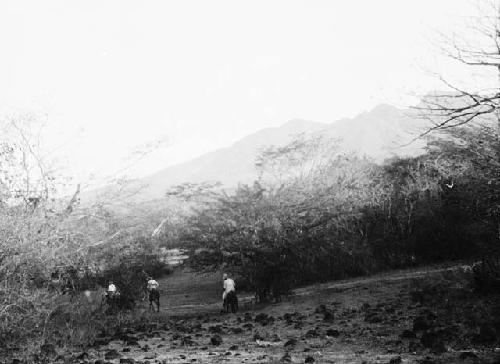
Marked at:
<point>421,316</point>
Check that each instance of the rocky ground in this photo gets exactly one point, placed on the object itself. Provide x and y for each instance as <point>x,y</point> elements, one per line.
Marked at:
<point>424,316</point>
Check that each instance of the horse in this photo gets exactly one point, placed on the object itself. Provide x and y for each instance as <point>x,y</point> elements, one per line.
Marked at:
<point>111,301</point>
<point>115,301</point>
<point>231,302</point>
<point>154,297</point>
<point>64,285</point>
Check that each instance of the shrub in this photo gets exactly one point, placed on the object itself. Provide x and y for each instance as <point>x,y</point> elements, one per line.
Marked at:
<point>486,275</point>
<point>130,276</point>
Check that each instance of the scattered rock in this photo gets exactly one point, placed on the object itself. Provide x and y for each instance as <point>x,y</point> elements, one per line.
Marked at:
<point>112,354</point>
<point>290,343</point>
<point>487,334</point>
<point>373,317</point>
<point>237,330</point>
<point>127,361</point>
<point>260,317</point>
<point>408,334</point>
<point>234,347</point>
<point>390,310</point>
<point>320,309</point>
<point>395,343</point>
<point>183,327</point>
<point>421,323</point>
<point>427,361</point>
<point>287,358</point>
<point>258,336</point>
<point>309,359</point>
<point>264,319</point>
<point>468,355</point>
<point>274,338</point>
<point>396,360</point>
<point>432,340</point>
<point>248,326</point>
<point>328,316</point>
<point>288,317</point>
<point>82,356</point>
<point>216,340</point>
<point>311,334</point>
<point>217,329</point>
<point>196,327</point>
<point>187,341</point>
<point>48,350</point>
<point>332,333</point>
<point>176,336</point>
<point>418,296</point>
<point>132,342</point>
<point>414,347</point>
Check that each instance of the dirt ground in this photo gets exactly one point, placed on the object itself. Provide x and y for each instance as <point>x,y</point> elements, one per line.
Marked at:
<point>418,316</point>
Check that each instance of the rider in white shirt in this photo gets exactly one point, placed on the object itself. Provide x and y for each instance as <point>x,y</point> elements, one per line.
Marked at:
<point>228,285</point>
<point>152,284</point>
<point>111,289</point>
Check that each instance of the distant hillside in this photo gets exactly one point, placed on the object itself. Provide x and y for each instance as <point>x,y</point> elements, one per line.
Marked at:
<point>378,133</point>
<point>230,165</point>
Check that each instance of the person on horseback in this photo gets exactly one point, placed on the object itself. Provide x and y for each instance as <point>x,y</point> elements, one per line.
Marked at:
<point>152,284</point>
<point>111,290</point>
<point>111,296</point>
<point>154,293</point>
<point>229,293</point>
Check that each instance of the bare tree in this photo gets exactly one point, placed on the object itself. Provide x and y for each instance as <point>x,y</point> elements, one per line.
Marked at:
<point>28,173</point>
<point>477,46</point>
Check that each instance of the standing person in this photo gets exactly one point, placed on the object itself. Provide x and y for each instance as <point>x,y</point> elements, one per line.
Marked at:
<point>154,293</point>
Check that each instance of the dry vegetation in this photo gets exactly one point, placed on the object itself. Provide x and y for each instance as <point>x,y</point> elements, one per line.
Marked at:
<point>314,215</point>
<point>334,216</point>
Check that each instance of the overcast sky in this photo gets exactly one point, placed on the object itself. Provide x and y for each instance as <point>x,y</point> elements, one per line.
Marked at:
<point>115,75</point>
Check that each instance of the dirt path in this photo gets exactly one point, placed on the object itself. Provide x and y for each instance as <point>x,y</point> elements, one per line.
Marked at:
<point>211,304</point>
<point>379,278</point>
<point>363,320</point>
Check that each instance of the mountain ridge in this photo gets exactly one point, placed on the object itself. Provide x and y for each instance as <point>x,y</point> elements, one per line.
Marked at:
<point>374,133</point>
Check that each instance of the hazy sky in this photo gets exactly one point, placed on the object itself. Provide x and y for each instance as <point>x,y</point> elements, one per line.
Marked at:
<point>114,75</point>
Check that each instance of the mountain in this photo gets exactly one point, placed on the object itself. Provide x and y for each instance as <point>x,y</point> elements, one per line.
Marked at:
<point>230,165</point>
<point>379,133</point>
